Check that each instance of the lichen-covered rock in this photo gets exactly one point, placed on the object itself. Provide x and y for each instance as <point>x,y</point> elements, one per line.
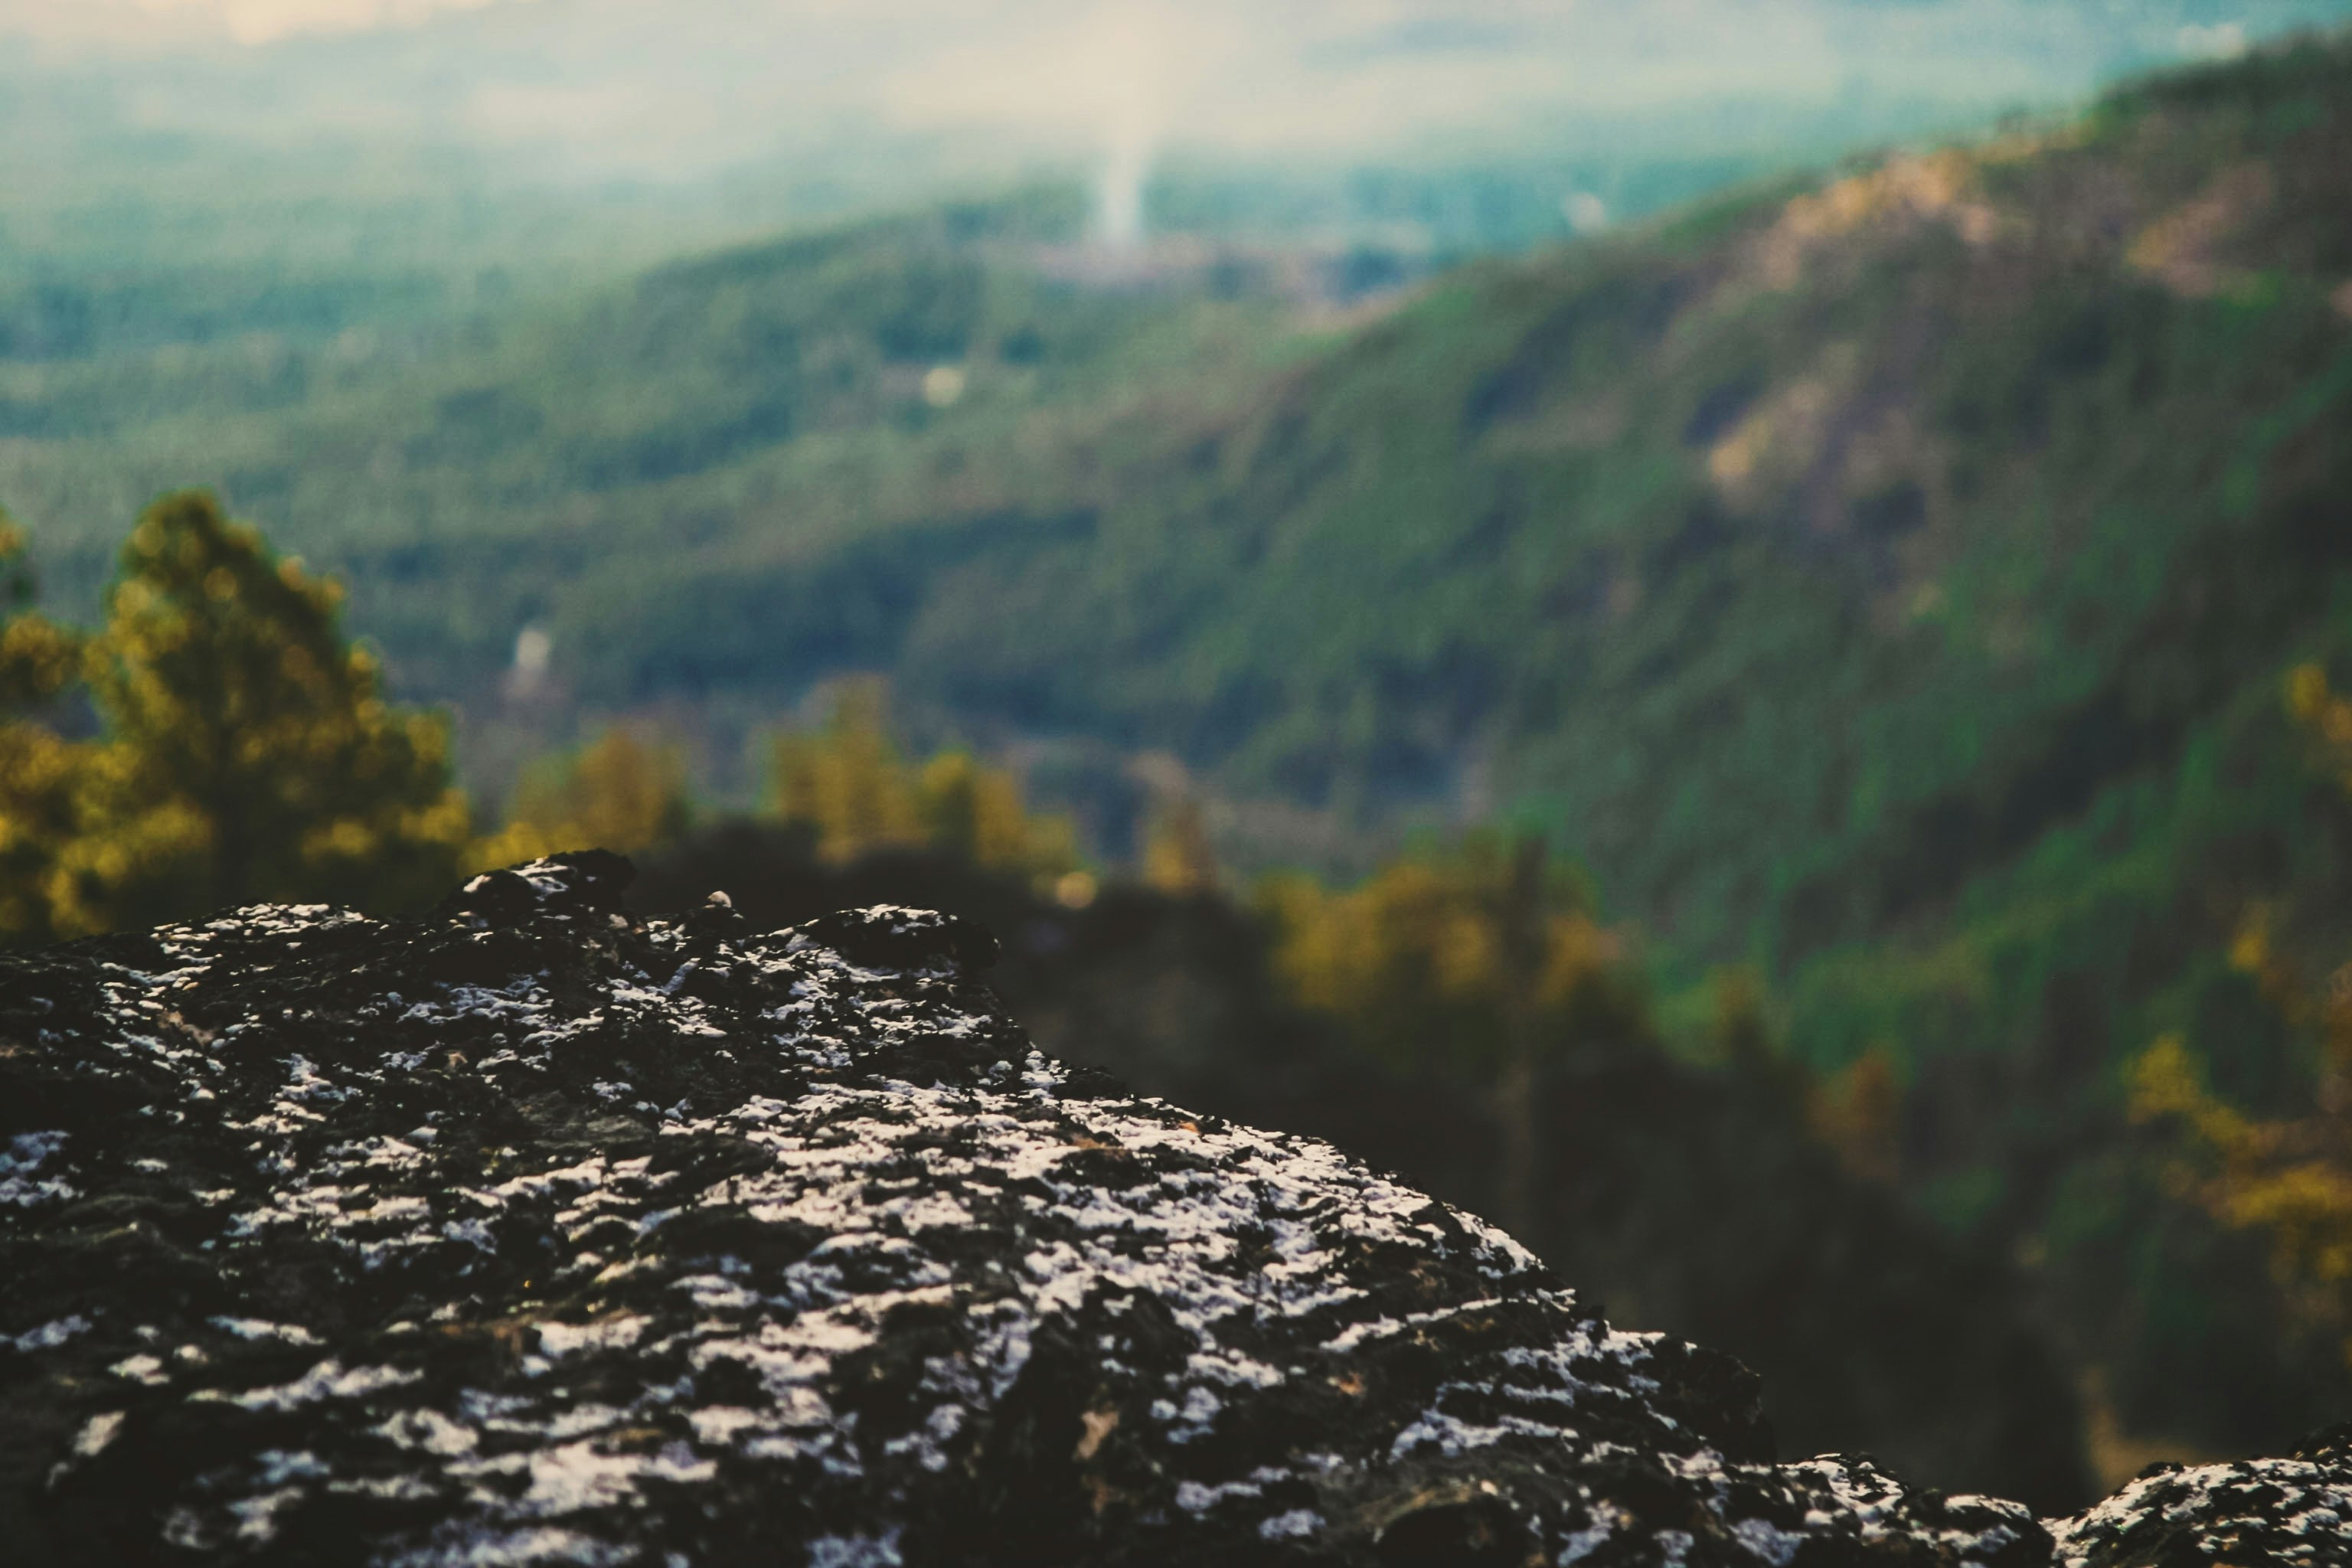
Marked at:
<point>2290,1511</point>
<point>531,1232</point>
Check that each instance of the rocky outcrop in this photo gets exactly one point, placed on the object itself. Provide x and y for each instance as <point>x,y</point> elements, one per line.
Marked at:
<point>1872,1327</point>
<point>2296,1510</point>
<point>535,1232</point>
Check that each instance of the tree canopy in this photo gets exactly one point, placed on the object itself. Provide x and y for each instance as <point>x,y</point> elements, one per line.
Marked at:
<point>244,750</point>
<point>2287,1178</point>
<point>620,793</point>
<point>40,662</point>
<point>849,784</point>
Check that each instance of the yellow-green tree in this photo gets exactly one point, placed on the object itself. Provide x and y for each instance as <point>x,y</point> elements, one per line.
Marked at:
<point>1858,1112</point>
<point>40,662</point>
<point>975,811</point>
<point>1447,957</point>
<point>1484,960</point>
<point>1178,857</point>
<point>848,782</point>
<point>248,752</point>
<point>2291,1179</point>
<point>621,794</point>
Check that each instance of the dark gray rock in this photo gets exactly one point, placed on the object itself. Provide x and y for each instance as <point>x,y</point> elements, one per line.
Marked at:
<point>1872,1327</point>
<point>534,1232</point>
<point>2291,1511</point>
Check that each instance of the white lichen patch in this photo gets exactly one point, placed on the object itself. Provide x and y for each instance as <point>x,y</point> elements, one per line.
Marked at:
<point>2284,1511</point>
<point>22,1181</point>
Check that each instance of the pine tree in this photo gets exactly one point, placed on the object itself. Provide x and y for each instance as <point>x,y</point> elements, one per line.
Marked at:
<point>1483,962</point>
<point>847,781</point>
<point>2288,1179</point>
<point>1178,855</point>
<point>40,771</point>
<point>849,784</point>
<point>619,793</point>
<point>1473,958</point>
<point>248,751</point>
<point>973,810</point>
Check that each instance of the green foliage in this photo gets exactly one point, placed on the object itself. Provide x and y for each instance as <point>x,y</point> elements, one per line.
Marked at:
<point>1178,855</point>
<point>1455,958</point>
<point>248,754</point>
<point>619,793</point>
<point>40,662</point>
<point>848,785</point>
<point>244,753</point>
<point>2287,1178</point>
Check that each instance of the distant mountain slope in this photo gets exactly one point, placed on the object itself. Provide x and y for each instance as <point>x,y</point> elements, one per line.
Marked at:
<point>770,399</point>
<point>1890,585</point>
<point>1757,502</point>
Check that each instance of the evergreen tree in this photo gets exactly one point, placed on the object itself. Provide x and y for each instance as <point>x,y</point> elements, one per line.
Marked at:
<point>1178,855</point>
<point>40,771</point>
<point>1475,959</point>
<point>619,793</point>
<point>975,811</point>
<point>849,784</point>
<point>2289,1179</point>
<point>1483,961</point>
<point>249,752</point>
<point>847,781</point>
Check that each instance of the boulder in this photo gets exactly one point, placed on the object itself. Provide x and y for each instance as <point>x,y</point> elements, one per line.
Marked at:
<point>2294,1510</point>
<point>1873,1326</point>
<point>537,1231</point>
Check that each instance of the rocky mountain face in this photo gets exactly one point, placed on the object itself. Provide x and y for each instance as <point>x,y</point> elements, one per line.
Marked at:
<point>534,1231</point>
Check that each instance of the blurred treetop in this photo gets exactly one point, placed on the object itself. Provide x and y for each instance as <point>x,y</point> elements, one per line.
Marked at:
<point>243,752</point>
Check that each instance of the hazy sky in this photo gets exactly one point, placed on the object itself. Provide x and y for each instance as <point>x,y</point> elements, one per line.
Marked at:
<point>658,85</point>
<point>262,21</point>
<point>250,21</point>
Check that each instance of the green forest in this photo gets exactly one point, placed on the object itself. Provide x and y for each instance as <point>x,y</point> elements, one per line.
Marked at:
<point>1853,659</point>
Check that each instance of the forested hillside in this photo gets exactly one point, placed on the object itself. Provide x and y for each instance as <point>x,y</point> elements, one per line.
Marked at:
<point>1888,582</point>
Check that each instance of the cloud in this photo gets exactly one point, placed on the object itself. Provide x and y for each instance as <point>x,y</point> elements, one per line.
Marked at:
<point>2219,41</point>
<point>264,21</point>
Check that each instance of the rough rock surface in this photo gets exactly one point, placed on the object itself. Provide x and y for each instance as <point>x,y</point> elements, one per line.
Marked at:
<point>2290,1511</point>
<point>1872,1327</point>
<point>533,1232</point>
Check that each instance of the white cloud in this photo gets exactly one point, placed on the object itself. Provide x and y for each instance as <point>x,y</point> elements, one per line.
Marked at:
<point>2220,41</point>
<point>170,22</point>
<point>262,21</point>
